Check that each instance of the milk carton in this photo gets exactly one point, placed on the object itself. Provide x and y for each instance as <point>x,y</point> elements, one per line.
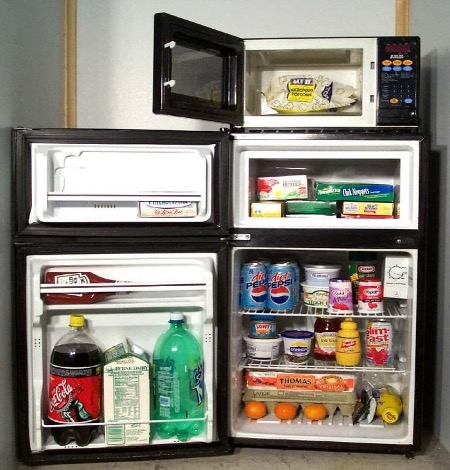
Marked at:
<point>126,395</point>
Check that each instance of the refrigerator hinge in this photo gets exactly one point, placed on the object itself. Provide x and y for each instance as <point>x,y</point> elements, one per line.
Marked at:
<point>240,237</point>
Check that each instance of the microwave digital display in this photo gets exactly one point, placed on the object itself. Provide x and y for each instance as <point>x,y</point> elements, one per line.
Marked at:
<point>398,48</point>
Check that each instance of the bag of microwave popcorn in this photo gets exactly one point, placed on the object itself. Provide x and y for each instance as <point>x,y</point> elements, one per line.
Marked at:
<point>295,94</point>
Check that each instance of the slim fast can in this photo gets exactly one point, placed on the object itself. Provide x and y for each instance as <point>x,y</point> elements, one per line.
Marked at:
<point>281,287</point>
<point>253,284</point>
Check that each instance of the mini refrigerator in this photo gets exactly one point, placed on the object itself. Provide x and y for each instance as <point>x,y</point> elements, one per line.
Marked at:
<point>171,219</point>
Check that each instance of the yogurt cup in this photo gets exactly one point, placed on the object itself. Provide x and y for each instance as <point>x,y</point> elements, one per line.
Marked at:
<point>320,274</point>
<point>263,349</point>
<point>297,345</point>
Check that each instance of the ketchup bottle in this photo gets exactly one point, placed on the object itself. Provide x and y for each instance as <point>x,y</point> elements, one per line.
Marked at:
<point>75,278</point>
<point>325,337</point>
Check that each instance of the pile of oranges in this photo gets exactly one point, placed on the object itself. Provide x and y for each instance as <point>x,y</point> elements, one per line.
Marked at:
<point>285,411</point>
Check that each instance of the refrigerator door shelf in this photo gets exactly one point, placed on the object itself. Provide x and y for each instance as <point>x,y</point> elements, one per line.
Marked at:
<point>284,159</point>
<point>150,287</point>
<point>121,183</point>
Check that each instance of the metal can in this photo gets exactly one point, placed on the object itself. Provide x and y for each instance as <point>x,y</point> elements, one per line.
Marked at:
<point>281,286</point>
<point>340,296</point>
<point>379,343</point>
<point>370,296</point>
<point>253,284</point>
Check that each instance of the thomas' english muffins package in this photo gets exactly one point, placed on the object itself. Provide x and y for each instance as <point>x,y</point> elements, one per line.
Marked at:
<point>295,94</point>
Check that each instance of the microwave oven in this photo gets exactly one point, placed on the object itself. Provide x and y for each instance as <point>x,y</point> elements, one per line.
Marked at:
<point>349,82</point>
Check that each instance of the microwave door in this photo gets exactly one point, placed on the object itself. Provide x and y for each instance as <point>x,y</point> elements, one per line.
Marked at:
<point>198,71</point>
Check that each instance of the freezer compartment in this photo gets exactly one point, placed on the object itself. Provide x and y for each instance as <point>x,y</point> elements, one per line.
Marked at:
<point>303,79</point>
<point>121,183</point>
<point>283,181</point>
<point>280,378</point>
<point>131,298</point>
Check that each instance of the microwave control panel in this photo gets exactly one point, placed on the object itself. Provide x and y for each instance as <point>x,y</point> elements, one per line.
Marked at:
<point>398,81</point>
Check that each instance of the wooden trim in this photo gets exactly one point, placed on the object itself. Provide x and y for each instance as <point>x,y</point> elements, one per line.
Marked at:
<point>70,63</point>
<point>402,17</point>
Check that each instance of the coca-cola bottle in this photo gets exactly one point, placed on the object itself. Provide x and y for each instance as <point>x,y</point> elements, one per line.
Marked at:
<point>75,385</point>
<point>75,278</point>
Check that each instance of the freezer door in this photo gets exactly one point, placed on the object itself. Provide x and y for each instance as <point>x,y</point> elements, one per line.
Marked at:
<point>157,180</point>
<point>197,71</point>
<point>125,296</point>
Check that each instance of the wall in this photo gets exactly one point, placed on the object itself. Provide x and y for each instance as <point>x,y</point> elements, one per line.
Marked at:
<point>430,22</point>
<point>115,77</point>
<point>31,94</point>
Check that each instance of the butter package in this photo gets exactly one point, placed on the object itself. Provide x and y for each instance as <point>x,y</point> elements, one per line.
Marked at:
<point>304,381</point>
<point>266,209</point>
<point>354,192</point>
<point>302,208</point>
<point>126,395</point>
<point>367,208</point>
<point>282,188</point>
<point>161,209</point>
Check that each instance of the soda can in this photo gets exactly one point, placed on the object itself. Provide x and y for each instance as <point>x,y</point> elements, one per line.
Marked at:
<point>370,296</point>
<point>281,287</point>
<point>379,343</point>
<point>253,283</point>
<point>340,297</point>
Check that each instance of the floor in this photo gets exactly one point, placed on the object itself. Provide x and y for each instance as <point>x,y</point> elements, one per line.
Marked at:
<point>433,457</point>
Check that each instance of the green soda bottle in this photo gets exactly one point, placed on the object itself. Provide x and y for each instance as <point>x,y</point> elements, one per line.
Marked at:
<point>179,389</point>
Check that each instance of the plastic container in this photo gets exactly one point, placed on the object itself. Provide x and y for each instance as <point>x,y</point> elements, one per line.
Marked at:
<point>348,344</point>
<point>75,385</point>
<point>320,274</point>
<point>315,296</point>
<point>263,349</point>
<point>179,390</point>
<point>297,345</point>
<point>263,327</point>
<point>389,406</point>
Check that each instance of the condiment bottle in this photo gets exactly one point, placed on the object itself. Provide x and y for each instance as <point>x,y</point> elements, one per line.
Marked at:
<point>389,406</point>
<point>348,344</point>
<point>325,335</point>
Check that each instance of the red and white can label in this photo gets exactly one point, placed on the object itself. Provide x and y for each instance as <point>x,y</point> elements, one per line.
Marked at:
<point>370,296</point>
<point>75,395</point>
<point>379,343</point>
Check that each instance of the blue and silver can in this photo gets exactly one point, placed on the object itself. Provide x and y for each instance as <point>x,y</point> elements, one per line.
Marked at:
<point>281,286</point>
<point>253,283</point>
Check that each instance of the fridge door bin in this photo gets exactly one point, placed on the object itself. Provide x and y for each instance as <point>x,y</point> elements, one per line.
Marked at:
<point>152,182</point>
<point>326,182</point>
<point>334,385</point>
<point>137,306</point>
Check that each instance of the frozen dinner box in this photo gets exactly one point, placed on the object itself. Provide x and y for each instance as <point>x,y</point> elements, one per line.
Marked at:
<point>354,192</point>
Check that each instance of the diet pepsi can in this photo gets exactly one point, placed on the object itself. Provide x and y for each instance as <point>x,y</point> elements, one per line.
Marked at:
<point>281,293</point>
<point>253,283</point>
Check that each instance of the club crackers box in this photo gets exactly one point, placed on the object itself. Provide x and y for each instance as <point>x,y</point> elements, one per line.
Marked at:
<point>354,192</point>
<point>126,395</point>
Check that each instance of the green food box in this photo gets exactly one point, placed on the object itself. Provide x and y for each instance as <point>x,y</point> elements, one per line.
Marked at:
<point>310,208</point>
<point>354,192</point>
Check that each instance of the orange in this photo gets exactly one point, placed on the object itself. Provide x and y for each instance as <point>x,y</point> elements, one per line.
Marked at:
<point>255,409</point>
<point>285,410</point>
<point>315,412</point>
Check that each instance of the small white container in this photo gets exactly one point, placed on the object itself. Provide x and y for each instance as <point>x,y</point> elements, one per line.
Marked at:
<point>263,349</point>
<point>315,296</point>
<point>320,274</point>
<point>297,345</point>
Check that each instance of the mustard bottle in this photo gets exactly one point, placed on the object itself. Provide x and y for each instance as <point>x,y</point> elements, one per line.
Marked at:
<point>389,406</point>
<point>348,344</point>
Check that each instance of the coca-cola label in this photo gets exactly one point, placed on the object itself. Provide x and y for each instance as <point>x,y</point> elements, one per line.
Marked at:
<point>74,394</point>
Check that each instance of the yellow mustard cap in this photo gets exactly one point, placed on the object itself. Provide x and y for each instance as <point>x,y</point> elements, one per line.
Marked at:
<point>76,320</point>
<point>349,324</point>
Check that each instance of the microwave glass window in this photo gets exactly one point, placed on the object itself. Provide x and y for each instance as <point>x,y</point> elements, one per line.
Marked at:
<point>198,74</point>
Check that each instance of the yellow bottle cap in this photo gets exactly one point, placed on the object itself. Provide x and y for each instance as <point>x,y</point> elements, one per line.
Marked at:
<point>76,320</point>
<point>389,415</point>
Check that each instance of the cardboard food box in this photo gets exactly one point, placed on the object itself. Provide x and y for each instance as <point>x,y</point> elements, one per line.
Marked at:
<point>367,208</point>
<point>126,395</point>
<point>354,192</point>
<point>281,188</point>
